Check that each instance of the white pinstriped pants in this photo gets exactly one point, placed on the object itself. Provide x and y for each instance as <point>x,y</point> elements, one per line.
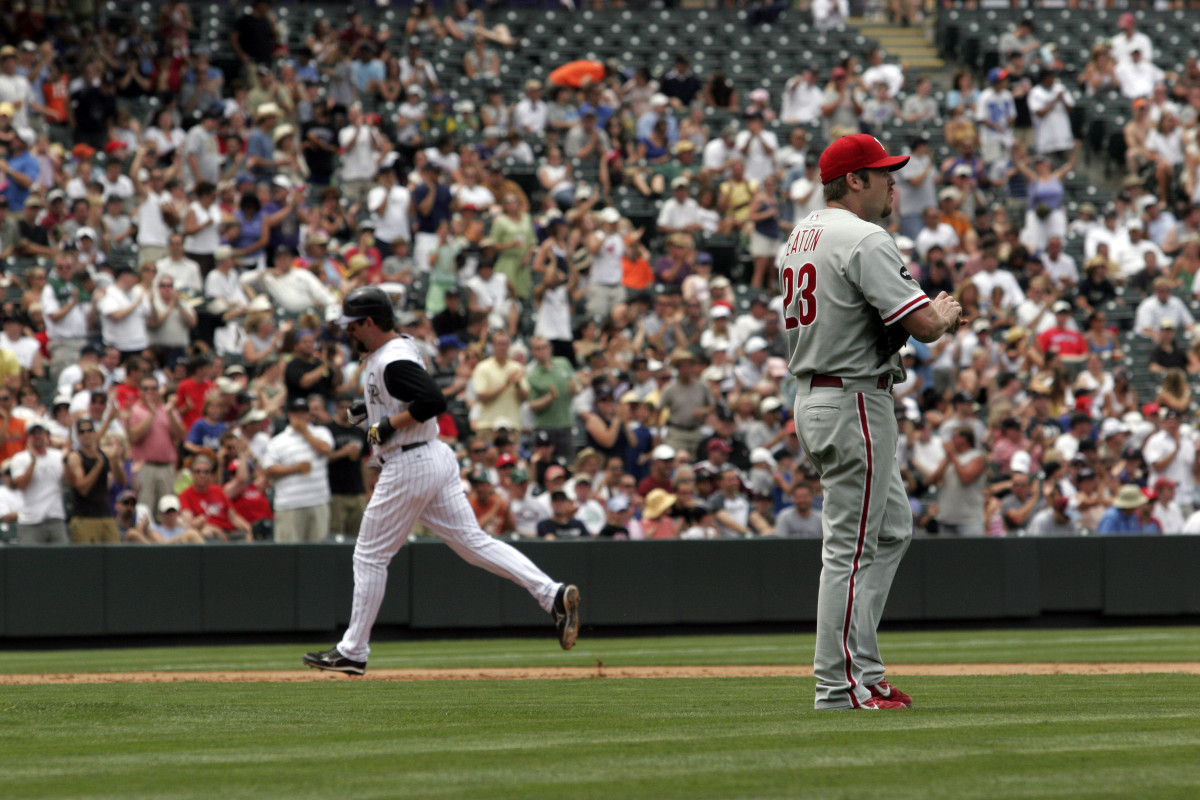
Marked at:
<point>850,437</point>
<point>423,485</point>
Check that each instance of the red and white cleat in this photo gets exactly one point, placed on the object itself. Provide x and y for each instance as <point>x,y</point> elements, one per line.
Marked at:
<point>885,691</point>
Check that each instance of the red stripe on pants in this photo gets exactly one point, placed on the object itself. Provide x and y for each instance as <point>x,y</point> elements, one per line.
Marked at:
<point>862,537</point>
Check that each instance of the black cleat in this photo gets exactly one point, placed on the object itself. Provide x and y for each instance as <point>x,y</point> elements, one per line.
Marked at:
<point>334,661</point>
<point>566,615</point>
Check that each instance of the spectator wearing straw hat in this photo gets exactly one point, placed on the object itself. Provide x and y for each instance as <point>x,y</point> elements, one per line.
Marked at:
<point>1128,514</point>
<point>656,523</point>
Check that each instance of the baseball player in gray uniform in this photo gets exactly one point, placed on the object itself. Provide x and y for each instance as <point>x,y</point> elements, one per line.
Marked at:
<point>849,306</point>
<point>418,482</point>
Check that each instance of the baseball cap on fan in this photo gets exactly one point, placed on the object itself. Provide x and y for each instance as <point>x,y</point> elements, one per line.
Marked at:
<point>852,153</point>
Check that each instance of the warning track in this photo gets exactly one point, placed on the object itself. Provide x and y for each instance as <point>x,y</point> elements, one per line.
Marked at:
<point>597,671</point>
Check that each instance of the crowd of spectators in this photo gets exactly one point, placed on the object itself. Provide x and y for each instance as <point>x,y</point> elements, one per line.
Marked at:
<point>169,374</point>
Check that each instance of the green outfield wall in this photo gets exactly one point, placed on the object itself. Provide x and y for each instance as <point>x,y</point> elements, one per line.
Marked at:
<point>273,588</point>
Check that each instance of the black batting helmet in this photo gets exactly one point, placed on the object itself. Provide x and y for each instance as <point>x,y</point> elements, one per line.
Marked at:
<point>368,302</point>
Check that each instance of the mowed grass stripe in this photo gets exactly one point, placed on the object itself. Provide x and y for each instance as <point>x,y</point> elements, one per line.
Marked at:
<point>969,737</point>
<point>1100,645</point>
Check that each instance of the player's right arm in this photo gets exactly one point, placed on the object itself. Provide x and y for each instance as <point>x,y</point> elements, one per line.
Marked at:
<point>930,322</point>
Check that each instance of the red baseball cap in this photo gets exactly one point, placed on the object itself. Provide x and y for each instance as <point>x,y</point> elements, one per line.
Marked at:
<point>505,460</point>
<point>852,153</point>
<point>1162,483</point>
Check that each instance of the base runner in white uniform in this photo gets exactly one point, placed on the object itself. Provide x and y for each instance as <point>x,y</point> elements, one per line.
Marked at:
<point>849,306</point>
<point>418,482</point>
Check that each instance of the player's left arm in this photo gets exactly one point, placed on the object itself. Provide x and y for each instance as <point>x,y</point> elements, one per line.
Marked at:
<point>408,382</point>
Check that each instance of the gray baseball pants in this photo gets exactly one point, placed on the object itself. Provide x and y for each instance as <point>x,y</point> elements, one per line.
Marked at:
<point>850,435</point>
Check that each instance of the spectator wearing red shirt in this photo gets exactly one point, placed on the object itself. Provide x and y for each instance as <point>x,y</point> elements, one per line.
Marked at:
<point>189,396</point>
<point>128,391</point>
<point>207,510</point>
<point>1063,337</point>
<point>662,460</point>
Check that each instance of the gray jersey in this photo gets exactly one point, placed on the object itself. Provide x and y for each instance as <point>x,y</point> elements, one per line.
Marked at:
<point>380,402</point>
<point>843,281</point>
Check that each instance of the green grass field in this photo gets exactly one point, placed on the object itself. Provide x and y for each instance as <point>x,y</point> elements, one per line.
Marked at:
<point>1052,736</point>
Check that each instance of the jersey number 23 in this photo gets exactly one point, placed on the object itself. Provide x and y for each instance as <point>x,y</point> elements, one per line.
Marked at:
<point>800,286</point>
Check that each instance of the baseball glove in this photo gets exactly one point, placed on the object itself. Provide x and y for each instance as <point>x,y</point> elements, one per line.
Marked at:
<point>358,411</point>
<point>889,340</point>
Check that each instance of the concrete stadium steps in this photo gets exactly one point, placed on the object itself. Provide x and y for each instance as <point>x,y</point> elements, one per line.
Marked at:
<point>909,46</point>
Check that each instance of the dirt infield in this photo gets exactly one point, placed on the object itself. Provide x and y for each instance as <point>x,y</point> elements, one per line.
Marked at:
<point>598,671</point>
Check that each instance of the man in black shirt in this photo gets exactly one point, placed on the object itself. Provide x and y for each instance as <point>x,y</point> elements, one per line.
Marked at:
<point>254,36</point>
<point>310,371</point>
<point>561,524</point>
<point>936,276</point>
<point>319,142</point>
<point>1165,354</point>
<point>33,240</point>
<point>452,320</point>
<point>94,108</point>
<point>346,482</point>
<point>88,473</point>
<point>619,514</point>
<point>680,83</point>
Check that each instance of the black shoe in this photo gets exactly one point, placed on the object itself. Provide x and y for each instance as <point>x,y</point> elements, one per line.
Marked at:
<point>334,661</point>
<point>566,615</point>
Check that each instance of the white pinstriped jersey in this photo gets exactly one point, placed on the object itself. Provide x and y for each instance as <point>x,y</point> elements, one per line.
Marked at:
<point>843,279</point>
<point>380,402</point>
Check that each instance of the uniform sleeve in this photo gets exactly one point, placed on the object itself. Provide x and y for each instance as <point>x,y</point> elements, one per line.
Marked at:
<point>879,271</point>
<point>408,382</point>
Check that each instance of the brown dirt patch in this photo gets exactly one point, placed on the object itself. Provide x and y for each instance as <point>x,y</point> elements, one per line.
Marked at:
<point>598,671</point>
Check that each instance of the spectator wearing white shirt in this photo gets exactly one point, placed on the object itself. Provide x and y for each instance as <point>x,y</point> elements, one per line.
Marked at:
<point>530,114</point>
<point>1130,39</point>
<point>801,99</point>
<point>1113,236</point>
<point>1171,454</point>
<point>715,157</point>
<point>916,188</point>
<point>1168,513</point>
<point>1131,256</point>
<point>297,462</point>
<point>156,212</point>
<point>417,71</point>
<point>1137,76</point>
<point>25,348</point>
<point>1060,267</point>
<point>1161,306</point>
<point>992,277</point>
<point>1164,145</point>
<point>758,147</point>
<point>879,71</point>
<point>681,213</point>
<point>123,312</point>
<point>489,292</point>
<point>37,473</point>
<point>290,284</point>
<point>170,321</point>
<point>390,202</point>
<point>362,147</point>
<point>828,14</point>
<point>1050,103</point>
<point>183,271</point>
<point>935,233</point>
